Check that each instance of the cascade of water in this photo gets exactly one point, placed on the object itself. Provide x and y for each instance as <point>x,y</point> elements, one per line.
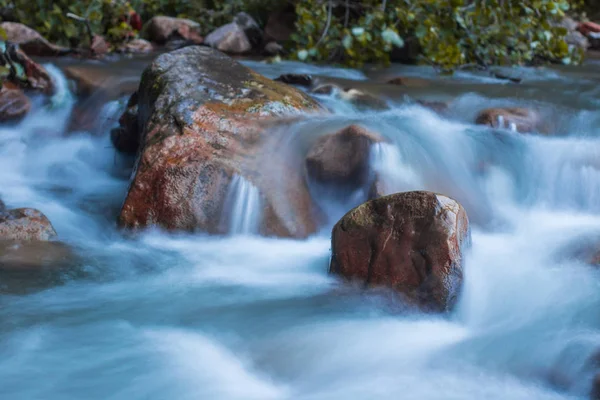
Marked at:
<point>242,208</point>
<point>390,170</point>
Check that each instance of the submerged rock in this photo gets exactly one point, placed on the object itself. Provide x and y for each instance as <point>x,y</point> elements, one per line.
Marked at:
<point>30,40</point>
<point>518,119</point>
<point>296,79</point>
<point>25,224</point>
<point>363,101</point>
<point>200,113</point>
<point>161,29</point>
<point>411,242</point>
<point>342,159</point>
<point>14,105</point>
<point>34,255</point>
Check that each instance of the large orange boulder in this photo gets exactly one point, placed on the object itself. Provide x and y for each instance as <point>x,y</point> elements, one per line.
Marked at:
<point>201,119</point>
<point>411,242</point>
<point>30,40</point>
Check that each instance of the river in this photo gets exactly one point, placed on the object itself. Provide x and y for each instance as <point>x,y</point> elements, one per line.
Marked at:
<point>159,316</point>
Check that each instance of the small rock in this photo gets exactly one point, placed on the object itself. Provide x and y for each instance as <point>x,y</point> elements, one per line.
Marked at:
<point>296,79</point>
<point>363,101</point>
<point>229,38</point>
<point>513,118</point>
<point>342,159</point>
<point>136,46</point>
<point>411,242</point>
<point>25,224</point>
<point>30,40</point>
<point>161,29</point>
<point>14,105</point>
<point>273,48</point>
<point>99,46</point>
<point>326,89</point>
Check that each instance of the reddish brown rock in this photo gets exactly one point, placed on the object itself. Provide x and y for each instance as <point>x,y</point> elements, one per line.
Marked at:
<point>202,116</point>
<point>410,242</point>
<point>161,29</point>
<point>136,46</point>
<point>520,119</point>
<point>30,41</point>
<point>296,79</point>
<point>14,105</point>
<point>342,159</point>
<point>24,224</point>
<point>99,46</point>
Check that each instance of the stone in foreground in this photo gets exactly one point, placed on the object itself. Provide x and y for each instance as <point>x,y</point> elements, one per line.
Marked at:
<point>201,120</point>
<point>411,242</point>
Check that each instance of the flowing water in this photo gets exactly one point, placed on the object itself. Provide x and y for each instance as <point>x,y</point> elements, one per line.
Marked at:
<point>243,317</point>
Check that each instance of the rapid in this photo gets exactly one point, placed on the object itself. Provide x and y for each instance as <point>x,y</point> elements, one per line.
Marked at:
<point>193,316</point>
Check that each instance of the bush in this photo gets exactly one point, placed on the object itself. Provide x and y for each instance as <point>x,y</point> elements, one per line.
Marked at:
<point>450,33</point>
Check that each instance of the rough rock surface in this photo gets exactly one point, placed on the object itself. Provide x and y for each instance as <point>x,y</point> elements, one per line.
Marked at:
<point>411,242</point>
<point>201,116</point>
<point>30,40</point>
<point>24,224</point>
<point>14,105</point>
<point>520,119</point>
<point>342,159</point>
<point>161,29</point>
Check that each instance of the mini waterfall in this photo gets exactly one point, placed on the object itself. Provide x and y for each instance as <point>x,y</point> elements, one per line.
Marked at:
<point>242,208</point>
<point>391,172</point>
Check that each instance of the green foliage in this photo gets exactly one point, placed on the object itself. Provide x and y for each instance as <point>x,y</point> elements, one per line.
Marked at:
<point>50,17</point>
<point>450,33</point>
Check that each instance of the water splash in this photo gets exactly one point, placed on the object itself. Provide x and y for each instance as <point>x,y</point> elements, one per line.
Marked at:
<point>390,170</point>
<point>242,209</point>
